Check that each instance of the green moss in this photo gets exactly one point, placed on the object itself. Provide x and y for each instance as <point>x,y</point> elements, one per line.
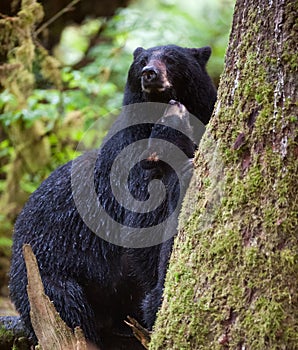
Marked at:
<point>6,335</point>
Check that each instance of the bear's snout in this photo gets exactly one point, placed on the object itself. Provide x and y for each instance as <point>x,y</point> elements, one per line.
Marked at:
<point>154,77</point>
<point>149,73</point>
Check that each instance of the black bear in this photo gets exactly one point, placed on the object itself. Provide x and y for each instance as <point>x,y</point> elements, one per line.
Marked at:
<point>174,127</point>
<point>93,282</point>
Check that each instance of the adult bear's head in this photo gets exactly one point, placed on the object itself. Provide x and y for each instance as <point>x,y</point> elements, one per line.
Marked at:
<point>163,73</point>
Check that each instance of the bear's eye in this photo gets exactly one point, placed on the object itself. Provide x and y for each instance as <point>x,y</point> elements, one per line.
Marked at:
<point>170,60</point>
<point>143,62</point>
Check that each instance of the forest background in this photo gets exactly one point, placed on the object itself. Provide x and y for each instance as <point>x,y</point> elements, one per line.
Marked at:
<point>59,76</point>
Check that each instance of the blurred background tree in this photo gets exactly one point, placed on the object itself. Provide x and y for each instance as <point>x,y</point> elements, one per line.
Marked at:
<point>57,77</point>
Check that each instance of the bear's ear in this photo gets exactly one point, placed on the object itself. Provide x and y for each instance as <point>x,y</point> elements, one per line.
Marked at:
<point>202,54</point>
<point>137,52</point>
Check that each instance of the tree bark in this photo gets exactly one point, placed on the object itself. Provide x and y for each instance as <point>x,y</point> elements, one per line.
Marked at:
<point>232,279</point>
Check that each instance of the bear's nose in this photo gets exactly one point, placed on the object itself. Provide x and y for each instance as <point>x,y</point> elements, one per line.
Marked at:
<point>149,73</point>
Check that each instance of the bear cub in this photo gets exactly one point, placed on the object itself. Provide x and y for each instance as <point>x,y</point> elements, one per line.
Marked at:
<point>174,127</point>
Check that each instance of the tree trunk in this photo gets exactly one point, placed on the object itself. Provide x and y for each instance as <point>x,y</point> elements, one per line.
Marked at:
<point>31,145</point>
<point>232,280</point>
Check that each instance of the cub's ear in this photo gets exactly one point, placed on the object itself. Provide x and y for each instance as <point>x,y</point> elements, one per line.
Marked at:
<point>202,54</point>
<point>137,52</point>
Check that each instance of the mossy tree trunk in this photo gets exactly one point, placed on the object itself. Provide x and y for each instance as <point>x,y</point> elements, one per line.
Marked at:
<point>18,50</point>
<point>233,276</point>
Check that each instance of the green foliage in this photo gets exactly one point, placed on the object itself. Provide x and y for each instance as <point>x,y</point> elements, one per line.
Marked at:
<point>5,242</point>
<point>185,23</point>
<point>89,86</point>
